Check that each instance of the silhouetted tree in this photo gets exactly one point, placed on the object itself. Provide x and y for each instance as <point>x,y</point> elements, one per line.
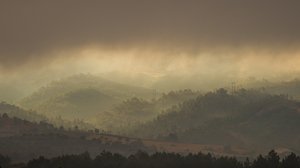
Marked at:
<point>4,115</point>
<point>163,160</point>
<point>273,159</point>
<point>291,161</point>
<point>4,161</point>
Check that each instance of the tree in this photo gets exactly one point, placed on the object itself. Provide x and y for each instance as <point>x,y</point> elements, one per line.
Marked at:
<point>4,115</point>
<point>97,130</point>
<point>4,161</point>
<point>260,162</point>
<point>273,159</point>
<point>221,92</point>
<point>291,161</point>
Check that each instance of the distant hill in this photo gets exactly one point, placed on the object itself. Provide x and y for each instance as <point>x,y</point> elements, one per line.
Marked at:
<point>80,96</point>
<point>77,104</point>
<point>32,116</point>
<point>134,111</point>
<point>172,98</point>
<point>107,105</point>
<point>290,88</point>
<point>247,118</point>
<point>82,81</point>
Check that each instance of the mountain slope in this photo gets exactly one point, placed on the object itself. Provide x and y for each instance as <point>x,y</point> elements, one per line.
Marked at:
<point>80,96</point>
<point>291,88</point>
<point>23,140</point>
<point>245,118</point>
<point>82,103</point>
<point>77,82</point>
<point>15,111</point>
<point>132,112</point>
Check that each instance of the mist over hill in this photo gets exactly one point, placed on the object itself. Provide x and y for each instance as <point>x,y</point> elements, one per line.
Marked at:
<point>234,117</point>
<point>32,116</point>
<point>231,120</point>
<point>135,111</point>
<point>80,97</point>
<point>82,81</point>
<point>15,111</point>
<point>108,105</point>
<point>289,88</point>
<point>246,118</point>
<point>172,78</point>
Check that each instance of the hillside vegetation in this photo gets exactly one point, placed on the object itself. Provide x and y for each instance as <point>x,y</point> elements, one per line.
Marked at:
<point>247,118</point>
<point>77,88</point>
<point>135,111</point>
<point>23,140</point>
<point>244,118</point>
<point>15,111</point>
<point>291,88</point>
<point>105,104</point>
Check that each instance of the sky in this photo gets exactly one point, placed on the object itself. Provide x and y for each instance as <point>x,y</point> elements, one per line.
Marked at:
<point>157,41</point>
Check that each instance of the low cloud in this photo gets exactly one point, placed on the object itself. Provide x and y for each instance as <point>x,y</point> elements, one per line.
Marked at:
<point>33,31</point>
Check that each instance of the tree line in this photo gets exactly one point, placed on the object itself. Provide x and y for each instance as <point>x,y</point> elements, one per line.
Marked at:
<point>158,160</point>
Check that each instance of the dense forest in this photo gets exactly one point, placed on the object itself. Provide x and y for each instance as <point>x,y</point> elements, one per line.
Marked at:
<point>157,160</point>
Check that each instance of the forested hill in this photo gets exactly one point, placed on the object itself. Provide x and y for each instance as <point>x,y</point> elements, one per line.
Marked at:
<point>290,88</point>
<point>13,126</point>
<point>105,104</point>
<point>248,118</point>
<point>79,82</point>
<point>15,111</point>
<point>131,112</point>
<point>22,140</point>
<point>80,96</point>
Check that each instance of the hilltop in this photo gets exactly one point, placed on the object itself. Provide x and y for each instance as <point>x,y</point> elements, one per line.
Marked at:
<point>80,97</point>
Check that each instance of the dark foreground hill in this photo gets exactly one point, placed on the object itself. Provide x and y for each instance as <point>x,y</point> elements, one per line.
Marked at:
<point>22,140</point>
